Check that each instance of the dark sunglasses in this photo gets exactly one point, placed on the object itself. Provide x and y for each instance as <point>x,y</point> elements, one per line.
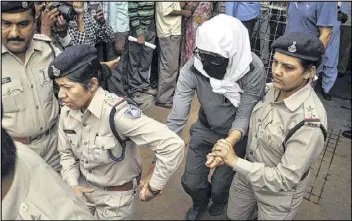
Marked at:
<point>213,58</point>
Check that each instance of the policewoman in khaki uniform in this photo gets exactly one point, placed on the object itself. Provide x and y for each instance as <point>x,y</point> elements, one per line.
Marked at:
<point>102,166</point>
<point>30,107</point>
<point>286,135</point>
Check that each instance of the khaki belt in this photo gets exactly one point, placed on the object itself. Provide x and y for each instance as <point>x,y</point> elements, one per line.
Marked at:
<point>124,187</point>
<point>29,140</point>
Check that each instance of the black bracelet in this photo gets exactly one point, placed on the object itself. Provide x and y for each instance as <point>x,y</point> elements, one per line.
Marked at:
<point>154,192</point>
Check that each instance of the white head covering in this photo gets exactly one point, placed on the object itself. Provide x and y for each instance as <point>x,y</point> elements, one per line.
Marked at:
<point>228,37</point>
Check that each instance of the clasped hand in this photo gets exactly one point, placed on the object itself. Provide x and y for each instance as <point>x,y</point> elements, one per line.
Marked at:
<point>222,153</point>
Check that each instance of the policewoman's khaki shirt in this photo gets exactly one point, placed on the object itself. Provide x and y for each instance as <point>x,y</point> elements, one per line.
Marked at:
<point>30,107</point>
<point>85,138</point>
<point>39,193</point>
<point>269,168</point>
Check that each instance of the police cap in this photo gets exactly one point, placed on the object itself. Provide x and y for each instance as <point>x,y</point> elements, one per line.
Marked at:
<point>15,7</point>
<point>300,45</point>
<point>73,60</point>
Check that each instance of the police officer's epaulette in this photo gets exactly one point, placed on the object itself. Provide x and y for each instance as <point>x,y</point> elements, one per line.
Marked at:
<point>311,119</point>
<point>41,37</point>
<point>113,100</point>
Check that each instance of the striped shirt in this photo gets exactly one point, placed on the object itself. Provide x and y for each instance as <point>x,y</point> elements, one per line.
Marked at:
<point>141,15</point>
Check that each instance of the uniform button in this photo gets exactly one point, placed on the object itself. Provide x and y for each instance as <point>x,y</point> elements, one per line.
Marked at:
<point>24,207</point>
<point>41,128</point>
<point>250,152</point>
<point>255,136</point>
<point>85,143</point>
<point>102,147</point>
<point>70,141</point>
<point>37,107</point>
<point>259,120</point>
<point>90,171</point>
<point>269,137</point>
<point>32,86</point>
<point>84,125</point>
<point>86,161</point>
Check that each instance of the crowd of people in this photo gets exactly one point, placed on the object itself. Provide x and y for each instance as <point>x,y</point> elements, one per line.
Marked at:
<point>73,83</point>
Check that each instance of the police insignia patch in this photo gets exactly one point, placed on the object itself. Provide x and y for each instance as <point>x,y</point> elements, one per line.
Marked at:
<point>133,112</point>
<point>24,4</point>
<point>292,48</point>
<point>56,72</point>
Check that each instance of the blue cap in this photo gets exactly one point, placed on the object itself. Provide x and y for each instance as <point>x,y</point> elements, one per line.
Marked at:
<point>73,61</point>
<point>300,45</point>
<point>14,7</point>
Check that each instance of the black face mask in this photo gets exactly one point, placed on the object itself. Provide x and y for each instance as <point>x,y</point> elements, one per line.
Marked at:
<point>217,71</point>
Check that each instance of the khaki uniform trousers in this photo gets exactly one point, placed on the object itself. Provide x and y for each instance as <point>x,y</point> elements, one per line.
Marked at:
<point>110,205</point>
<point>247,202</point>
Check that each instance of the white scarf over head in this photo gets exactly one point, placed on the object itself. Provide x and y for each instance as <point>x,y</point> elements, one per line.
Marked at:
<point>228,37</point>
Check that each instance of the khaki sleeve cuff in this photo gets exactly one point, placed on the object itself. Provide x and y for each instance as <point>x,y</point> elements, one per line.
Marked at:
<point>157,183</point>
<point>73,181</point>
<point>243,166</point>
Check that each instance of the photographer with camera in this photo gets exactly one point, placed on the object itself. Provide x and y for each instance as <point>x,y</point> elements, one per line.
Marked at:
<point>89,29</point>
<point>52,21</point>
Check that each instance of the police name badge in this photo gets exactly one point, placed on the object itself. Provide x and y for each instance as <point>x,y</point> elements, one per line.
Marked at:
<point>133,112</point>
<point>56,72</point>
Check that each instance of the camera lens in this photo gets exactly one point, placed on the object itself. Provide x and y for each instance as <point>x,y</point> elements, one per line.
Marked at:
<point>68,12</point>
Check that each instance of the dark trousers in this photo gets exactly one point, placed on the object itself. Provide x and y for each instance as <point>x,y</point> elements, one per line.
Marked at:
<point>140,60</point>
<point>250,26</point>
<point>345,49</point>
<point>195,178</point>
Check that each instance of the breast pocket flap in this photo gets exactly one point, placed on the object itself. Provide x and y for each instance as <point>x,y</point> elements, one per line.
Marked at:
<point>105,142</point>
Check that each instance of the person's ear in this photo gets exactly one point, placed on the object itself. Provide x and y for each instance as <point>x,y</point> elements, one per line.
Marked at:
<point>310,73</point>
<point>94,84</point>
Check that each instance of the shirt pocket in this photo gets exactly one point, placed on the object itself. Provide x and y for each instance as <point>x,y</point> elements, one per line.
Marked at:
<point>13,97</point>
<point>103,147</point>
<point>74,141</point>
<point>46,85</point>
<point>271,138</point>
<point>29,211</point>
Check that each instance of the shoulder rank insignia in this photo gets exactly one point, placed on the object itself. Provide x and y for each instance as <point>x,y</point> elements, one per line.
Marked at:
<point>311,118</point>
<point>133,112</point>
<point>112,99</point>
<point>41,37</point>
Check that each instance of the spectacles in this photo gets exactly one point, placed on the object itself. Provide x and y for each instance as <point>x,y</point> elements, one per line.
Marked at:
<point>213,58</point>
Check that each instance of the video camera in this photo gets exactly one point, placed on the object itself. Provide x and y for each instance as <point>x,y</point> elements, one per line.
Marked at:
<point>67,11</point>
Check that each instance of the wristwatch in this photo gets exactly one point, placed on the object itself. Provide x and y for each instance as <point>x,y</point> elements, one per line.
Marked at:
<point>154,192</point>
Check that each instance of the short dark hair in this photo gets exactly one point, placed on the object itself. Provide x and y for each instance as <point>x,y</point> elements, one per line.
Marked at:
<point>308,64</point>
<point>8,154</point>
<point>92,70</point>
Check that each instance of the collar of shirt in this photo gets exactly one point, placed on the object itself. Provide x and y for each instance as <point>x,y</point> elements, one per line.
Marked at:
<point>11,203</point>
<point>294,101</point>
<point>95,107</point>
<point>34,45</point>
